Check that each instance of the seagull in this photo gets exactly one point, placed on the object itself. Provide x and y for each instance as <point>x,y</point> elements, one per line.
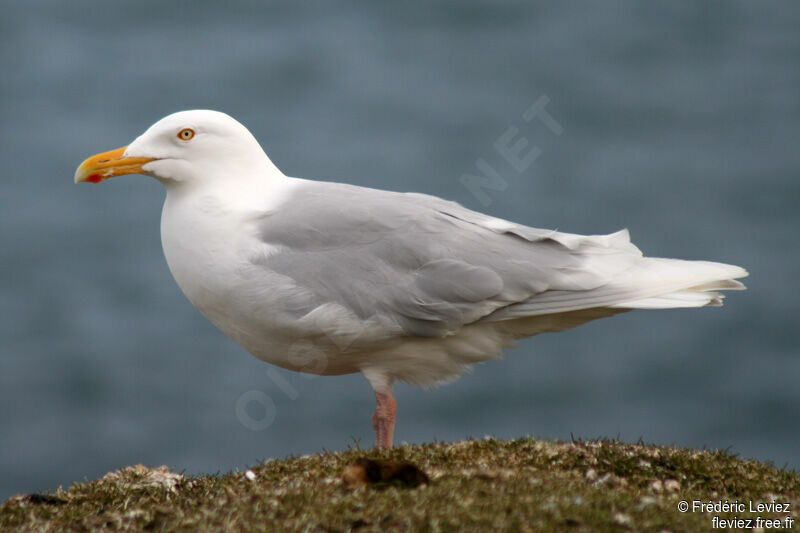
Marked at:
<point>329,278</point>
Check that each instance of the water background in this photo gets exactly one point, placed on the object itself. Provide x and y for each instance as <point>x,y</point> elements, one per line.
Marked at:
<point>681,121</point>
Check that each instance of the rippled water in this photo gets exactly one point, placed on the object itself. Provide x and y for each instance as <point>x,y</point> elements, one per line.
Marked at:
<point>679,121</point>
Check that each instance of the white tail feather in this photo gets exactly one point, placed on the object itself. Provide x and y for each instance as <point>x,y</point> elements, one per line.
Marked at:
<point>650,283</point>
<point>704,279</point>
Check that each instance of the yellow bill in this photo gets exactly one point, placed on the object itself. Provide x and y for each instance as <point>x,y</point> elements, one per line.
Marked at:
<point>109,164</point>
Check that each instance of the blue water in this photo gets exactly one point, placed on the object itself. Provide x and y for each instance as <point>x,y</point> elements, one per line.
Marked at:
<point>680,121</point>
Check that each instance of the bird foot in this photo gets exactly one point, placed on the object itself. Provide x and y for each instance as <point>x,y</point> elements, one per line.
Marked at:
<point>383,419</point>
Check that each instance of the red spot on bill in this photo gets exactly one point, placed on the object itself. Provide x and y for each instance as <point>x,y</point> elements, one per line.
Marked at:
<point>94,178</point>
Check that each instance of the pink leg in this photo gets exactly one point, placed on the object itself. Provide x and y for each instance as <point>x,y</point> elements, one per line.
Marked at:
<point>383,419</point>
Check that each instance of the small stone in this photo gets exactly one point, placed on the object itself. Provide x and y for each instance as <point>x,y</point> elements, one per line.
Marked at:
<point>672,485</point>
<point>140,476</point>
<point>622,519</point>
<point>646,501</point>
<point>250,475</point>
<point>591,474</point>
<point>611,480</point>
<point>657,486</point>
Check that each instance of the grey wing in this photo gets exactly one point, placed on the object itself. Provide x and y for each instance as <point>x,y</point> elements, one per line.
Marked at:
<point>417,265</point>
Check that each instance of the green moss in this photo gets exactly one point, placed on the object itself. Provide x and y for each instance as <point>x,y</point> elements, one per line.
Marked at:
<point>522,485</point>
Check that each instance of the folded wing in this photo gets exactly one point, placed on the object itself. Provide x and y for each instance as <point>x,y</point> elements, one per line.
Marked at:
<point>416,265</point>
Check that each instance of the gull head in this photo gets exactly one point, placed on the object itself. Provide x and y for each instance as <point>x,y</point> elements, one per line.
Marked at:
<point>182,148</point>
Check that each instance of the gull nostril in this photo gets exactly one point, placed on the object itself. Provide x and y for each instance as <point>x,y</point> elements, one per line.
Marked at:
<point>103,160</point>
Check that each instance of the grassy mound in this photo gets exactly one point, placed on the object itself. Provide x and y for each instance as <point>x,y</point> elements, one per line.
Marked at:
<point>519,485</point>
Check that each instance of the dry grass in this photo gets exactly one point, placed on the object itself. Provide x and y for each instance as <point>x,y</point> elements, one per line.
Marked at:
<point>519,485</point>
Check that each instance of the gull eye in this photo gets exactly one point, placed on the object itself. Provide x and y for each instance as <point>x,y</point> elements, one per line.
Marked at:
<point>186,134</point>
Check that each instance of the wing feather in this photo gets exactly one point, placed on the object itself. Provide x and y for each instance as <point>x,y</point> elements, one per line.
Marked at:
<point>423,264</point>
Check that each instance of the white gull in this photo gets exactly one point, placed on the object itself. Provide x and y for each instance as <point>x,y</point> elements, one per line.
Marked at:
<point>329,278</point>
